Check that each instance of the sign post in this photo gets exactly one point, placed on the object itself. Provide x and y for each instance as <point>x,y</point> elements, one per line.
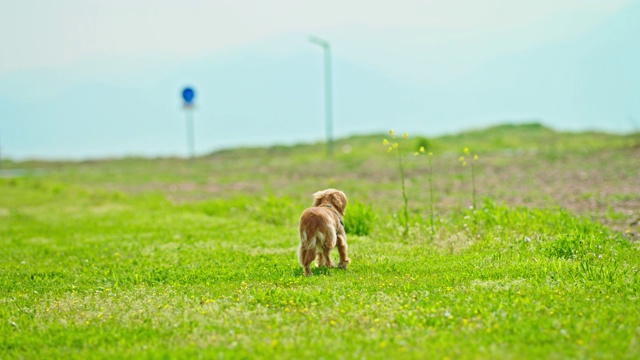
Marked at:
<point>187,95</point>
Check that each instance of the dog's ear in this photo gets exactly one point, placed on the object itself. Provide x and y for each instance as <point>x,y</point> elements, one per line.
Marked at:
<point>339,201</point>
<point>332,196</point>
<point>318,197</point>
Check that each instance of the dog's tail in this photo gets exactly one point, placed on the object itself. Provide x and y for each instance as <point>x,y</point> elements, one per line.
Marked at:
<point>308,243</point>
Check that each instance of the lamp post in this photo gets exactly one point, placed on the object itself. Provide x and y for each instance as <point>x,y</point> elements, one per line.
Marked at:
<point>328,98</point>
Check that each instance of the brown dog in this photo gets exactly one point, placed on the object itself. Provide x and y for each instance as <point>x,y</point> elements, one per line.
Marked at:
<point>321,229</point>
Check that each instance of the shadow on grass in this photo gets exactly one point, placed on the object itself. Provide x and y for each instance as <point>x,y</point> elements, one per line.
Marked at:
<point>316,271</point>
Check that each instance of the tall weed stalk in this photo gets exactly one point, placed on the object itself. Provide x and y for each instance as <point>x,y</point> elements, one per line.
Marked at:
<point>472,160</point>
<point>395,145</point>
<point>430,159</point>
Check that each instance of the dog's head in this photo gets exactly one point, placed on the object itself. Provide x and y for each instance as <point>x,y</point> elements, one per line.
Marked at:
<point>336,198</point>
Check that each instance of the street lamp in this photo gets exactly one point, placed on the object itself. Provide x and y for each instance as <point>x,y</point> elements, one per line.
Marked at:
<point>328,106</point>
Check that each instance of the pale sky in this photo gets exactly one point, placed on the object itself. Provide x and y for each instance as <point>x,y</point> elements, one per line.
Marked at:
<point>48,33</point>
<point>94,78</point>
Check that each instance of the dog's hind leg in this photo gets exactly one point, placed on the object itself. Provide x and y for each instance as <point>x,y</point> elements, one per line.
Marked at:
<point>326,254</point>
<point>306,258</point>
<point>320,244</point>
<point>342,249</point>
<point>320,259</point>
<point>306,252</point>
<point>327,246</point>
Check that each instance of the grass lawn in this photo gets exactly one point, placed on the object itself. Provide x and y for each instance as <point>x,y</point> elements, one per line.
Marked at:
<point>149,258</point>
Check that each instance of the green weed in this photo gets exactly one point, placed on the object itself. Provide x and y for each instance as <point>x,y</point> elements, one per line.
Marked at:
<point>359,219</point>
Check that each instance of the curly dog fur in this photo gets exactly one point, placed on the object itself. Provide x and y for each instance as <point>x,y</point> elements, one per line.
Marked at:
<point>321,229</point>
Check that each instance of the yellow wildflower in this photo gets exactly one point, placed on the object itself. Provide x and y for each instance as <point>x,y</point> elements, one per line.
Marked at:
<point>385,142</point>
<point>395,145</point>
<point>405,135</point>
<point>466,150</point>
<point>422,149</point>
<point>461,159</point>
<point>391,132</point>
<point>475,157</point>
<point>390,149</point>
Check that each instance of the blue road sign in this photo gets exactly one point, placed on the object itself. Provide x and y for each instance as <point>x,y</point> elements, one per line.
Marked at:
<point>188,94</point>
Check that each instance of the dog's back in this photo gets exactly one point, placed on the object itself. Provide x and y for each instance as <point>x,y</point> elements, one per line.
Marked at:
<point>317,228</point>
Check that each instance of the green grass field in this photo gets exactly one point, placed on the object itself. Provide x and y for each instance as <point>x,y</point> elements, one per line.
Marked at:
<point>150,258</point>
